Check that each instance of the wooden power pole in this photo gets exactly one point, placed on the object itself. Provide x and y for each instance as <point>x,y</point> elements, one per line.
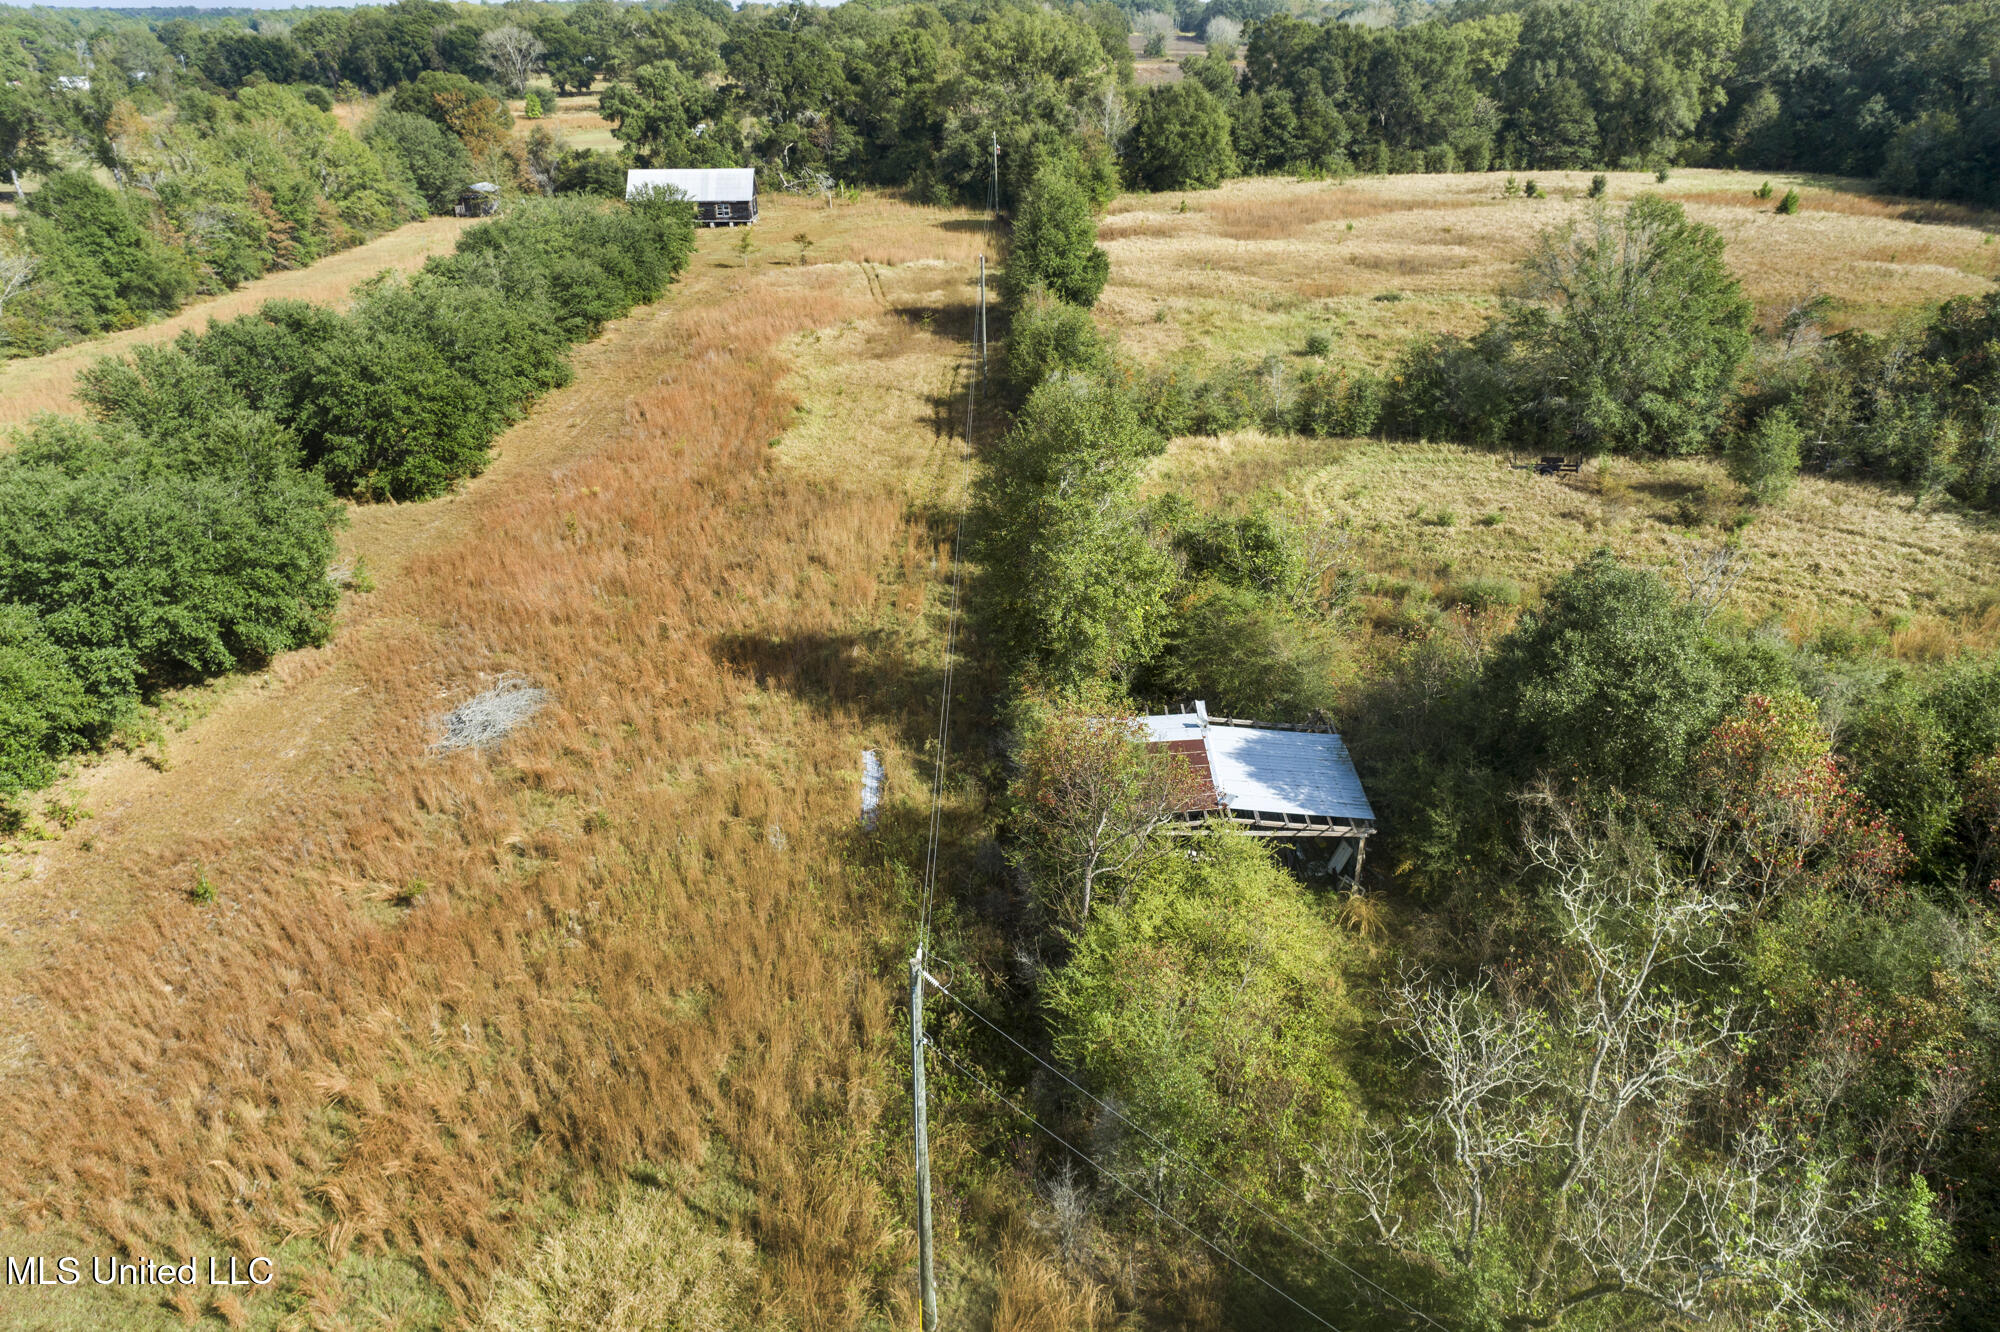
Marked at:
<point>920,1120</point>
<point>982,317</point>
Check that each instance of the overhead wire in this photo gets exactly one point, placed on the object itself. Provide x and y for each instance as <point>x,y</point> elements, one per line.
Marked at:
<point>1140,1129</point>
<point>1113,1176</point>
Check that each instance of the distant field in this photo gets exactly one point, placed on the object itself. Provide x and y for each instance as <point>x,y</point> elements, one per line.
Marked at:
<point>1255,266</point>
<point>576,120</point>
<point>1252,268</point>
<point>37,384</point>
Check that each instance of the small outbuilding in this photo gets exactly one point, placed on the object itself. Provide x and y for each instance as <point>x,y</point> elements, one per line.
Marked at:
<point>722,196</point>
<point>1290,783</point>
<point>477,200</point>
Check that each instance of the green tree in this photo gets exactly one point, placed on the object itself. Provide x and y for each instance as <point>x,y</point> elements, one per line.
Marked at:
<point>1072,590</point>
<point>1054,242</point>
<point>1049,337</point>
<point>434,161</point>
<point>1608,681</point>
<point>1633,330</point>
<point>154,560</point>
<point>1211,1008</point>
<point>106,270</point>
<point>1764,459</point>
<point>1180,139</point>
<point>656,113</point>
<point>1088,804</point>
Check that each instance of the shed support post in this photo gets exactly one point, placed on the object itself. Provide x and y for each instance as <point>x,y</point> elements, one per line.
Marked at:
<point>1360,853</point>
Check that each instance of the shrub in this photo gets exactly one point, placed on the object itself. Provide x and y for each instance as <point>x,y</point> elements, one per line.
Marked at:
<point>1790,203</point>
<point>1531,189</point>
<point>44,709</point>
<point>1054,242</point>
<point>531,105</point>
<point>1318,342</point>
<point>1763,191</point>
<point>1337,403</point>
<point>1049,337</point>
<point>1597,187</point>
<point>1764,459</point>
<point>1486,593</point>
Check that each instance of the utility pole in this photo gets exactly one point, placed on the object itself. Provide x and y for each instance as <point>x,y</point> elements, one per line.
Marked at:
<point>921,1123</point>
<point>982,317</point>
<point>994,191</point>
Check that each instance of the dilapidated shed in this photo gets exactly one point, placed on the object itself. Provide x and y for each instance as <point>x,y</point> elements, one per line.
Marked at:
<point>722,196</point>
<point>1295,783</point>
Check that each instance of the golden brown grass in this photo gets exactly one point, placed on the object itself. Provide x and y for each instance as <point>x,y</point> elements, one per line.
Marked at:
<point>444,1004</point>
<point>1255,266</point>
<point>38,384</point>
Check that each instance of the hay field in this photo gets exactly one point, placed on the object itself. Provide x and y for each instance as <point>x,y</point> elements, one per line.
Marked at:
<point>37,384</point>
<point>1431,521</point>
<point>442,1006</point>
<point>1255,266</point>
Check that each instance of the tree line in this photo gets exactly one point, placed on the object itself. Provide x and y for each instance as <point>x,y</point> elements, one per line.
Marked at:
<point>185,527</point>
<point>1681,1012</point>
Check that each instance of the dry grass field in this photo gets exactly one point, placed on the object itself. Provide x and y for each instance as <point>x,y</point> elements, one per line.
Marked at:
<point>1249,270</point>
<point>441,1006</point>
<point>1255,266</point>
<point>33,385</point>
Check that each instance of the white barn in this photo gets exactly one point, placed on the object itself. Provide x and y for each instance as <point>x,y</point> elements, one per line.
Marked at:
<point>723,196</point>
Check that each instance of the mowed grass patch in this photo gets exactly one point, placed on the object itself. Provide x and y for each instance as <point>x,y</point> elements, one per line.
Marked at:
<point>1429,518</point>
<point>33,385</point>
<point>1254,267</point>
<point>442,1005</point>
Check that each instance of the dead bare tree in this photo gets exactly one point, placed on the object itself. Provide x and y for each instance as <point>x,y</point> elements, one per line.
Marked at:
<point>1710,572</point>
<point>513,52</point>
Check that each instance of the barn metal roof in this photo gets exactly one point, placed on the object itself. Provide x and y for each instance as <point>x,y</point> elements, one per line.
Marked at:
<point>1268,769</point>
<point>701,184</point>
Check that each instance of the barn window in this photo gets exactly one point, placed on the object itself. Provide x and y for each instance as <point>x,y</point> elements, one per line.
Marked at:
<point>722,210</point>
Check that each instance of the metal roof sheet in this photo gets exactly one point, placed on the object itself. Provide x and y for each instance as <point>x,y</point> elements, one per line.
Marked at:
<point>701,184</point>
<point>1285,772</point>
<point>1272,771</point>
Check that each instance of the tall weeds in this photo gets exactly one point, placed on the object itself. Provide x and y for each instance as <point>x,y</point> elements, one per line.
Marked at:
<point>632,933</point>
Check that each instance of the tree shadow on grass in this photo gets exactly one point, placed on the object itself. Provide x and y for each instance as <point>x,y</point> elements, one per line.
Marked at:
<point>867,673</point>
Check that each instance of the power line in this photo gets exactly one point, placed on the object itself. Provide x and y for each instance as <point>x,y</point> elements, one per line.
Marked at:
<point>950,658</point>
<point>1161,1212</point>
<point>1140,1129</point>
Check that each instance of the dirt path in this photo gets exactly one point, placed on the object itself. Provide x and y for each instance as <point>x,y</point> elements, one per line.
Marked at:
<point>435,997</point>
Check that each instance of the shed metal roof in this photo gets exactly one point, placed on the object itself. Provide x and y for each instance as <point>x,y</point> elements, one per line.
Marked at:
<point>1269,770</point>
<point>701,184</point>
